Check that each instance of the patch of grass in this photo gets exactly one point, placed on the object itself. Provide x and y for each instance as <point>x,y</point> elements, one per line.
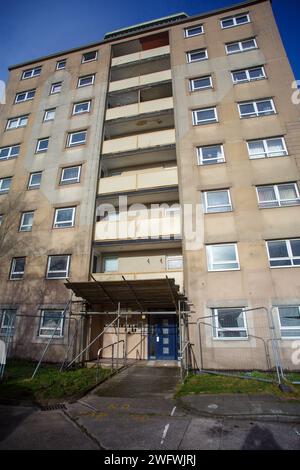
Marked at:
<point>218,384</point>
<point>48,384</point>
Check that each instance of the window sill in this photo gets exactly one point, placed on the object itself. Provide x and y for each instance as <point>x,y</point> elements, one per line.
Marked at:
<point>258,116</point>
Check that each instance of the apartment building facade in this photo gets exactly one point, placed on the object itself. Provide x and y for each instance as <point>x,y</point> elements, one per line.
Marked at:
<point>113,155</point>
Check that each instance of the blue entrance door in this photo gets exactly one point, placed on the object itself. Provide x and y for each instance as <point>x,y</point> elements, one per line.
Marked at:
<point>163,337</point>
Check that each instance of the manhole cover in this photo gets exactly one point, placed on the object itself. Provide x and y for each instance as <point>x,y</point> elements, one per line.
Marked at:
<point>56,406</point>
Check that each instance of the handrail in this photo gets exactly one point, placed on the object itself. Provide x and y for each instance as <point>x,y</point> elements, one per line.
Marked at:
<point>111,345</point>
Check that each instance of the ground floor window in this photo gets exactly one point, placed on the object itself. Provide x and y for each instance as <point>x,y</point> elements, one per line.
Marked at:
<point>52,322</point>
<point>229,323</point>
<point>7,322</point>
<point>289,320</point>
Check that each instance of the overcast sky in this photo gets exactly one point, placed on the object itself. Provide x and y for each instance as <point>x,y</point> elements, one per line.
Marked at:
<point>33,28</point>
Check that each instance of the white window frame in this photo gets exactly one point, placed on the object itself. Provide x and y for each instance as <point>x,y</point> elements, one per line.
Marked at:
<point>53,110</point>
<point>26,94</point>
<point>70,180</point>
<point>247,72</point>
<point>18,120</point>
<point>105,258</point>
<point>173,258</point>
<point>234,18</point>
<point>34,186</point>
<point>10,313</point>
<point>71,134</point>
<point>288,328</point>
<point>83,61</point>
<point>10,151</point>
<point>206,207</point>
<point>52,92</point>
<point>42,150</point>
<point>58,329</point>
<point>92,76</point>
<point>256,112</point>
<point>208,121</point>
<point>88,102</point>
<point>35,72</point>
<point>217,328</point>
<point>26,227</point>
<point>190,53</point>
<point>66,272</point>
<point>290,257</point>
<point>5,191</point>
<point>202,162</point>
<point>64,61</point>
<point>192,80</point>
<point>278,199</point>
<point>12,269</point>
<point>191,28</point>
<point>57,224</point>
<point>267,153</point>
<point>240,44</point>
<point>209,255</point>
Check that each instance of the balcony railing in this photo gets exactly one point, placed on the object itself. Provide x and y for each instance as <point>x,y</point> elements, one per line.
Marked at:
<point>142,55</point>
<point>172,274</point>
<point>138,181</point>
<point>139,108</point>
<point>140,80</point>
<point>139,141</point>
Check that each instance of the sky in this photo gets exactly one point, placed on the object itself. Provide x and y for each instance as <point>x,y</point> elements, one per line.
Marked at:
<point>34,28</point>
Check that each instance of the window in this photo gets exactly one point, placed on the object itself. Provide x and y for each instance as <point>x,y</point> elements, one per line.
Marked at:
<point>17,268</point>
<point>14,123</point>
<point>76,138</point>
<point>1,219</point>
<point>86,81</point>
<point>278,195</point>
<point>229,323</point>
<point>110,264</point>
<point>267,148</point>
<point>70,175</point>
<point>49,114</point>
<point>241,46</point>
<point>217,201</point>
<point>289,321</point>
<point>55,88</point>
<point>237,20</point>
<point>26,221</point>
<point>42,145</point>
<point>7,323</point>
<point>89,56</point>
<point>200,83</point>
<point>5,184</point>
<point>9,152</point>
<point>83,107</point>
<point>222,257</point>
<point>257,108</point>
<point>174,262</point>
<point>61,64</point>
<point>35,72</point>
<point>193,31</point>
<point>248,75</point>
<point>203,116</point>
<point>210,155</point>
<point>35,180</point>
<point>52,323</point>
<point>284,253</point>
<point>58,267</point>
<point>197,55</point>
<point>64,217</point>
<point>24,96</point>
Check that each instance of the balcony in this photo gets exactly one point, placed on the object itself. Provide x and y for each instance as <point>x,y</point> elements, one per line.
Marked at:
<point>139,142</point>
<point>138,181</point>
<point>141,55</point>
<point>140,80</point>
<point>172,274</point>
<point>140,108</point>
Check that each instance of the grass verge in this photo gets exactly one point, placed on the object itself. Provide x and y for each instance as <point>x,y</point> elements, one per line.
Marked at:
<point>48,384</point>
<point>218,384</point>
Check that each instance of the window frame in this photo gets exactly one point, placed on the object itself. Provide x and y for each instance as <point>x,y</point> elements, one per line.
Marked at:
<point>194,89</point>
<point>248,79</point>
<point>234,18</point>
<point>265,145</point>
<point>290,253</point>
<point>240,44</point>
<point>257,113</point>
<point>277,194</point>
<point>205,201</point>
<point>77,144</point>
<point>105,258</point>
<point>67,271</point>
<point>21,229</point>
<point>209,255</point>
<point>186,35</point>
<point>39,141</point>
<point>81,103</point>
<point>209,121</point>
<point>216,328</point>
<point>287,328</point>
<point>91,75</point>
<point>47,111</point>
<point>12,267</point>
<point>59,225</point>
<point>172,258</point>
<point>64,182</point>
<point>39,68</point>
<point>18,119</point>
<point>83,61</point>
<point>200,160</point>
<point>5,191</point>
<point>60,329</point>
<point>30,185</point>
<point>189,55</point>
<point>54,85</point>
<point>4,314</point>
<point>26,93</point>
<point>59,62</point>
<point>10,148</point>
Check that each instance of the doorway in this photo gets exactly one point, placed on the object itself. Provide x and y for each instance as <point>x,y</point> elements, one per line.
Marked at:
<point>163,337</point>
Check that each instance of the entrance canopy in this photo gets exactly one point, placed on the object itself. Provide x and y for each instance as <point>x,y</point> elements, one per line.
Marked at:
<point>138,295</point>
